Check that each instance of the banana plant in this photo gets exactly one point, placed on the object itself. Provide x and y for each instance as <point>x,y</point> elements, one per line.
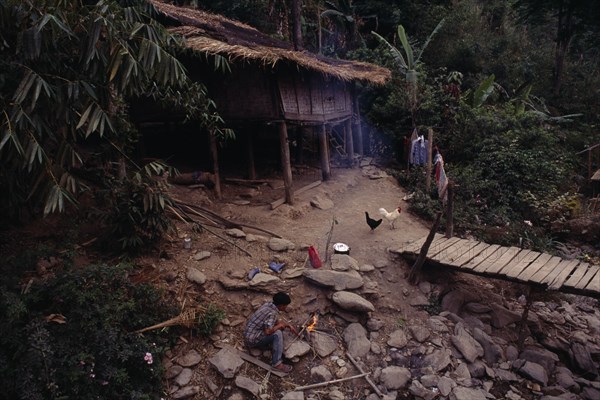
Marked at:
<point>406,59</point>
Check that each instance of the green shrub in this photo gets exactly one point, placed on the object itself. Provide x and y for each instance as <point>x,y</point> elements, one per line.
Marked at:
<point>71,337</point>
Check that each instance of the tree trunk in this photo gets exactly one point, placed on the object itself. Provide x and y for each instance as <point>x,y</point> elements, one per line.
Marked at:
<point>297,17</point>
<point>564,35</point>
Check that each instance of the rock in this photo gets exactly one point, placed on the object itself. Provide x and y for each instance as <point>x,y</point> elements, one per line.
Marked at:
<point>227,363</point>
<point>355,336</point>
<point>214,389</point>
<point>277,244</point>
<point>335,395</point>
<point>504,375</point>
<point>545,358</point>
<point>464,342</point>
<point>232,284</point>
<point>268,283</point>
<point>397,339</point>
<point>502,317</point>
<point>564,378</point>
<point>583,360</point>
<point>351,301</point>
<point>293,396</point>
<point>477,308</point>
<point>236,233</point>
<point>492,352</point>
<point>173,371</point>
<point>320,374</point>
<point>322,203</point>
<point>247,384</point>
<point>589,393</point>
<point>292,273</point>
<point>395,377</point>
<point>195,276</point>
<point>250,237</point>
<point>190,359</point>
<point>201,255</point>
<point>476,369</point>
<point>374,324</point>
<point>419,333</point>
<point>336,279</point>
<point>463,393</point>
<point>343,262</point>
<point>535,372</point>
<point>445,385</point>
<point>438,360</point>
<point>297,349</point>
<point>453,301</point>
<point>421,392</point>
<point>366,268</point>
<point>184,377</point>
<point>438,324</point>
<point>186,392</point>
<point>323,344</point>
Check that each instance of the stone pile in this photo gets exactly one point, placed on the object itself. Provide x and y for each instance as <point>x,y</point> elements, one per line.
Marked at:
<point>466,352</point>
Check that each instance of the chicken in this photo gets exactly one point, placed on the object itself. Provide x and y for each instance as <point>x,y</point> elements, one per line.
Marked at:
<point>391,217</point>
<point>373,223</point>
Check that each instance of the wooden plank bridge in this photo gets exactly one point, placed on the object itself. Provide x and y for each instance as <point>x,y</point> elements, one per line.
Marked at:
<point>509,263</point>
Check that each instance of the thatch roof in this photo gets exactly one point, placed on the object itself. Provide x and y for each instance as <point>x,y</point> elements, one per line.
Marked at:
<point>213,34</point>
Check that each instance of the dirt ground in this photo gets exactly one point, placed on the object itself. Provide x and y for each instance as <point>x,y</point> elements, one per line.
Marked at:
<point>352,193</point>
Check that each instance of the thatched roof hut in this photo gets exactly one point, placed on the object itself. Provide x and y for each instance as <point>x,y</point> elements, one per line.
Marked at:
<point>273,84</point>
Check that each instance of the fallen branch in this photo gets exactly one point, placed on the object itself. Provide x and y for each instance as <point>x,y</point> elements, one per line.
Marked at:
<point>225,222</point>
<point>213,233</point>
<point>316,385</point>
<point>280,201</point>
<point>375,388</point>
<point>329,239</point>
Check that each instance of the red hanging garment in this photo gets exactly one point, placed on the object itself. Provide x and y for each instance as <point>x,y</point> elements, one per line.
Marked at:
<point>313,255</point>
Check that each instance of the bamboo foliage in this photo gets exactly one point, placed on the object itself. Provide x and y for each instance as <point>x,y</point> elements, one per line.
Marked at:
<point>65,69</point>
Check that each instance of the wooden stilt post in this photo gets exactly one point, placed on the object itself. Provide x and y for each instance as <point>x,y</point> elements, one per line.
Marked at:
<point>215,159</point>
<point>286,162</point>
<point>531,292</point>
<point>413,277</point>
<point>450,210</point>
<point>324,153</point>
<point>349,140</point>
<point>429,147</point>
<point>250,153</point>
<point>359,135</point>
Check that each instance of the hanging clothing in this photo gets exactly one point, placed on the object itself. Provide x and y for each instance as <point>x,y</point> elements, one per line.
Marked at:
<point>440,177</point>
<point>413,136</point>
<point>419,151</point>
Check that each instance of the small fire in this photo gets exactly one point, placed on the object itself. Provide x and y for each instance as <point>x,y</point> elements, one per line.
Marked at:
<point>312,325</point>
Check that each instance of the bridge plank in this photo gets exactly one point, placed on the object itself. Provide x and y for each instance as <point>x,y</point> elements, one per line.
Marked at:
<point>448,255</point>
<point>594,285</point>
<point>433,252</point>
<point>518,267</point>
<point>546,269</point>
<point>589,275</point>
<point>491,259</point>
<point>483,255</point>
<point>577,274</point>
<point>559,279</point>
<point>514,261</point>
<point>469,255</point>
<point>506,257</point>
<point>534,267</point>
<point>564,264</point>
<point>415,247</point>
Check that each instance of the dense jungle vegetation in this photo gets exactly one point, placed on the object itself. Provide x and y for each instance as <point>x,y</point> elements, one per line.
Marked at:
<point>510,88</point>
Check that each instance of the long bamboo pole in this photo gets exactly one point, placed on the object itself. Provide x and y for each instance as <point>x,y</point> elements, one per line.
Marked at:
<point>316,385</point>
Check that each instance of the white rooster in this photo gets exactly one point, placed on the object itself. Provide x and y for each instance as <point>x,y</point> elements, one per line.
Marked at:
<point>390,216</point>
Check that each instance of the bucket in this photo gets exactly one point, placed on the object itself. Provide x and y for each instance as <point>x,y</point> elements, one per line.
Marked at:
<point>341,248</point>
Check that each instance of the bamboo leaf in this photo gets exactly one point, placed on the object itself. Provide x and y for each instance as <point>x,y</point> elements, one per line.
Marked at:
<point>84,116</point>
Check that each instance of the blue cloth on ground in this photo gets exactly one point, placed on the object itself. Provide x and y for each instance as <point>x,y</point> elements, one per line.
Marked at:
<point>277,267</point>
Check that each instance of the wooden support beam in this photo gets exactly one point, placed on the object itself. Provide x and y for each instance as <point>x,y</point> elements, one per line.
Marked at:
<point>359,135</point>
<point>349,140</point>
<point>413,277</point>
<point>250,155</point>
<point>286,165</point>
<point>214,153</point>
<point>324,153</point>
<point>429,151</point>
<point>450,211</point>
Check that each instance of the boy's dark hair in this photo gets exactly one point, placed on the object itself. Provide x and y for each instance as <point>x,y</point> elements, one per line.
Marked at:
<point>281,298</point>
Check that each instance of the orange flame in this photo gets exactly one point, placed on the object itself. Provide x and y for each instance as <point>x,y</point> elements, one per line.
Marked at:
<point>312,325</point>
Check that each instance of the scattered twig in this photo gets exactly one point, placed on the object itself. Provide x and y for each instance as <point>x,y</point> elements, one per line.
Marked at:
<point>316,385</point>
<point>375,388</point>
<point>329,239</point>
